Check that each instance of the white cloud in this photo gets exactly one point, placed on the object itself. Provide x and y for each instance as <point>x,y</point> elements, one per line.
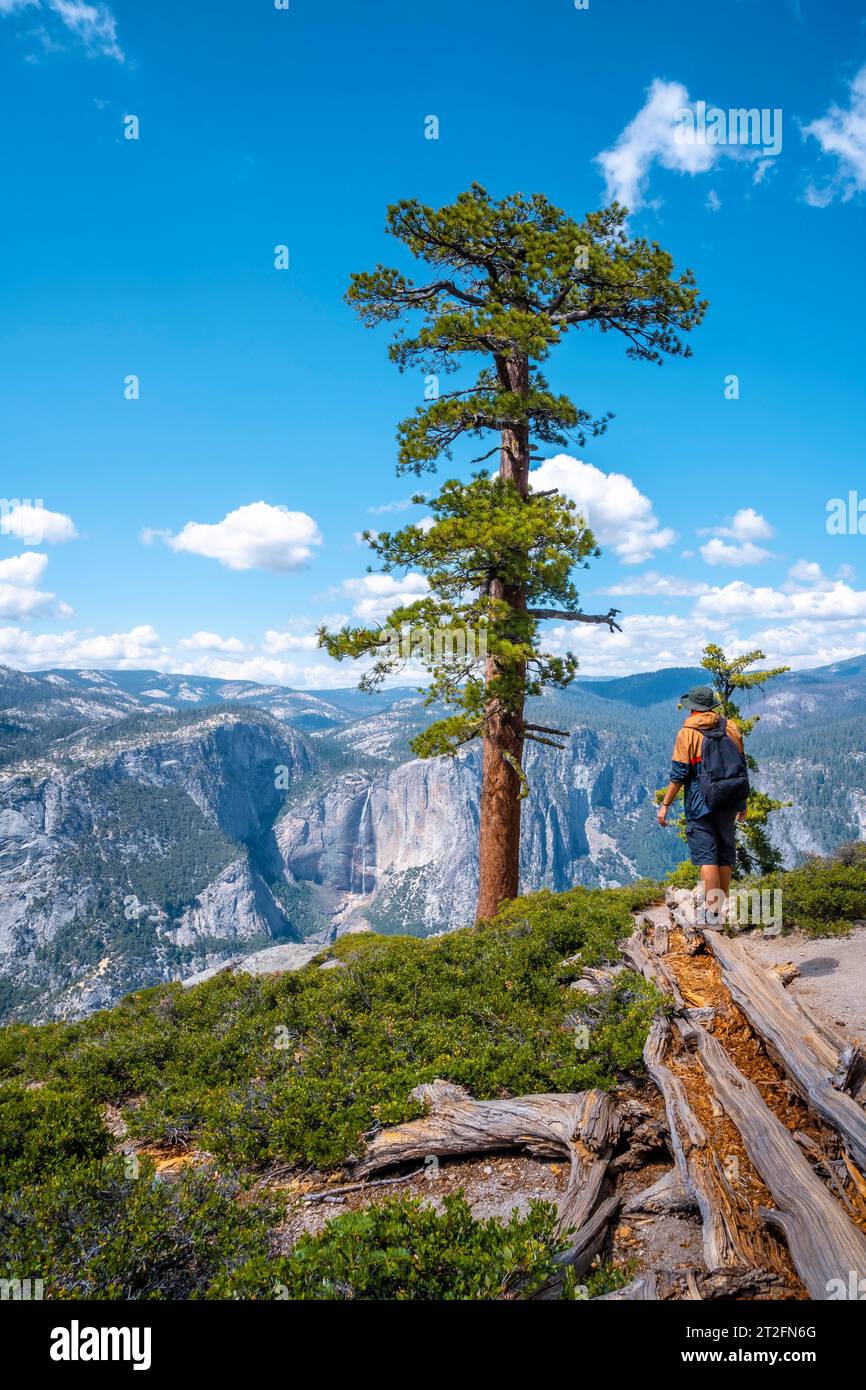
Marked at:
<point>746,525</point>
<point>324,675</point>
<point>93,25</point>
<point>647,642</point>
<point>832,601</point>
<point>23,569</point>
<point>36,525</point>
<point>735,544</point>
<point>303,641</point>
<point>841,133</point>
<point>688,137</point>
<point>762,169</point>
<point>32,651</point>
<point>658,585</point>
<point>620,516</point>
<point>719,552</point>
<point>19,596</point>
<point>19,602</point>
<point>211,641</point>
<point>257,536</point>
<point>713,202</point>
<point>377,595</point>
<point>402,504</point>
<point>651,137</point>
<point>809,573</point>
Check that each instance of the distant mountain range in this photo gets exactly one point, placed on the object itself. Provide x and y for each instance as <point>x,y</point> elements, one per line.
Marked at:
<point>153,826</point>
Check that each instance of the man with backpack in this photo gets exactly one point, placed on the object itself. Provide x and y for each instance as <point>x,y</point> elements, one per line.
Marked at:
<point>709,766</point>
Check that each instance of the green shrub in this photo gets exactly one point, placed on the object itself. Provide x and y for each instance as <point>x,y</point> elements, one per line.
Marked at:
<point>685,875</point>
<point>298,1066</point>
<point>43,1130</point>
<point>94,1231</point>
<point>823,897</point>
<point>404,1250</point>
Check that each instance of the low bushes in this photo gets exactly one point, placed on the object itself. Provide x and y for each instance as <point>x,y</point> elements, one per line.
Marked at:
<point>298,1066</point>
<point>402,1250</point>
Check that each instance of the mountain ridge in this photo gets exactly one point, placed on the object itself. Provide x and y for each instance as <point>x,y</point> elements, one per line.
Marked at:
<point>149,836</point>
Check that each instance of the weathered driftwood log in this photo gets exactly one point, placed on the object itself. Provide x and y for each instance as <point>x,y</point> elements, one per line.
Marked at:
<point>582,1127</point>
<point>597,979</point>
<point>685,909</point>
<point>644,1288</point>
<point>668,1194</point>
<point>824,1244</point>
<point>850,1073</point>
<point>643,959</point>
<point>729,1240</point>
<point>583,1247</point>
<point>799,1048</point>
<point>683,1284</point>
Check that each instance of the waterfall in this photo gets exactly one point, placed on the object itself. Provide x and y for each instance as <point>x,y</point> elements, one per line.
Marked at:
<point>361,846</point>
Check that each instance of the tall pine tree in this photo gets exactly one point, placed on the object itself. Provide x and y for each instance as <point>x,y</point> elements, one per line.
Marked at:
<point>507,281</point>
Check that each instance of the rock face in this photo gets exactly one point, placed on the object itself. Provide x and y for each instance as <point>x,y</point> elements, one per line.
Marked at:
<point>237,907</point>
<point>155,827</point>
<point>406,840</point>
<point>134,856</point>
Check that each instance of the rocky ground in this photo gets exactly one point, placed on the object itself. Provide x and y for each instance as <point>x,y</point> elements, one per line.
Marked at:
<point>832,979</point>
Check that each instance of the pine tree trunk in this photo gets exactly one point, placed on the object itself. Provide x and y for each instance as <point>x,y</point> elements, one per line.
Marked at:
<point>501,784</point>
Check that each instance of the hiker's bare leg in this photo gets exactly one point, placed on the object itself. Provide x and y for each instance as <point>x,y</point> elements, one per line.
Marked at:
<point>725,872</point>
<point>710,875</point>
<point>713,898</point>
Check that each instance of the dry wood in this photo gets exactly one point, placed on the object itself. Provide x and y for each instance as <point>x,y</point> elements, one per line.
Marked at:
<point>644,1288</point>
<point>824,1244</point>
<point>668,1194</point>
<point>683,907</point>
<point>583,1247</point>
<point>799,1048</point>
<point>653,968</point>
<point>727,1240</point>
<point>582,1126</point>
<point>850,1073</point>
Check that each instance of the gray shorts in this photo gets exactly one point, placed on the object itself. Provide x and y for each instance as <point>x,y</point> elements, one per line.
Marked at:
<point>712,839</point>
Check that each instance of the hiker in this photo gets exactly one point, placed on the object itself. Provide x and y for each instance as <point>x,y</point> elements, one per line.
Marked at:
<point>708,764</point>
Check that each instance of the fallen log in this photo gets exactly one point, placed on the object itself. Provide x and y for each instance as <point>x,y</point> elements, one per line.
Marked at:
<point>645,961</point>
<point>799,1048</point>
<point>668,1194</point>
<point>824,1244</point>
<point>644,1288</point>
<point>583,1247</point>
<point>729,1241</point>
<point>683,907</point>
<point>582,1126</point>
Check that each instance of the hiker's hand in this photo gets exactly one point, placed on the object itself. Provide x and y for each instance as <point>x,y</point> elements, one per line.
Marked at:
<point>662,816</point>
<point>741,815</point>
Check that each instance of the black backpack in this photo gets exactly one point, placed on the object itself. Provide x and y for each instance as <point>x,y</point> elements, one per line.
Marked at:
<point>722,773</point>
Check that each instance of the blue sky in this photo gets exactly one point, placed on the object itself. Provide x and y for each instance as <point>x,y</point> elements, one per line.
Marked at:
<point>259,127</point>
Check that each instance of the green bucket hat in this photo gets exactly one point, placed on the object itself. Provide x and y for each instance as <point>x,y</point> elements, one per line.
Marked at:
<point>700,697</point>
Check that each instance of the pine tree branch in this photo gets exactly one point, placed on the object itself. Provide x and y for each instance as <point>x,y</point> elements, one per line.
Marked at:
<point>565,616</point>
